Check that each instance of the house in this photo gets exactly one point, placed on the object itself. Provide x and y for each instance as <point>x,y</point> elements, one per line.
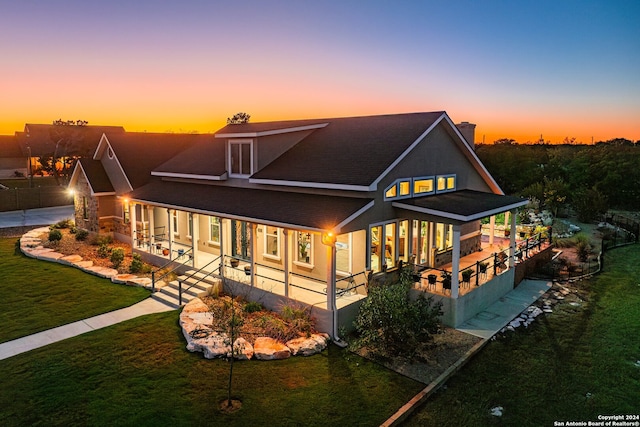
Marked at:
<point>13,162</point>
<point>40,141</point>
<point>306,210</point>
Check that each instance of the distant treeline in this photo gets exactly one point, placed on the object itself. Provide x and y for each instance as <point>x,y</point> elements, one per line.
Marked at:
<point>590,178</point>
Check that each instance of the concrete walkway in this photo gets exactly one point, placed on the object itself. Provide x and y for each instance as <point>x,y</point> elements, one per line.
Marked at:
<point>44,216</point>
<point>41,339</point>
<point>498,315</point>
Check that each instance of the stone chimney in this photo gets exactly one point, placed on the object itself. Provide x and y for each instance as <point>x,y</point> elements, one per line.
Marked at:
<point>468,130</point>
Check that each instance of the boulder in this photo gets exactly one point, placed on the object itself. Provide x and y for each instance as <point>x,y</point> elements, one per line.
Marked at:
<point>308,346</point>
<point>213,346</point>
<point>242,349</point>
<point>266,348</point>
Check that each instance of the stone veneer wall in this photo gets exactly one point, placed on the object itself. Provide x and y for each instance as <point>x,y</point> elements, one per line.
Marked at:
<point>467,246</point>
<point>91,224</point>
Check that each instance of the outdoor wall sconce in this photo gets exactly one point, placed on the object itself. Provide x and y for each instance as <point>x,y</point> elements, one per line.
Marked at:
<point>328,238</point>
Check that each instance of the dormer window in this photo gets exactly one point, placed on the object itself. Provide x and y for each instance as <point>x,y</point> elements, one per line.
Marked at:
<point>240,158</point>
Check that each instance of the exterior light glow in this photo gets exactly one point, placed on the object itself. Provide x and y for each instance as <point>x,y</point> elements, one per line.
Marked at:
<point>328,238</point>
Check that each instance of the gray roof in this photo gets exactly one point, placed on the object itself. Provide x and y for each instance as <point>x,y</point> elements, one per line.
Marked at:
<point>463,205</point>
<point>348,151</point>
<point>139,152</point>
<point>97,176</point>
<point>298,210</point>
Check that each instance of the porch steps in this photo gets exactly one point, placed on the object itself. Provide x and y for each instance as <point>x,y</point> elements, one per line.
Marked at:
<point>198,285</point>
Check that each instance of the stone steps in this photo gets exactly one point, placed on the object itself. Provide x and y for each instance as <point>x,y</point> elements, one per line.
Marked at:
<point>194,285</point>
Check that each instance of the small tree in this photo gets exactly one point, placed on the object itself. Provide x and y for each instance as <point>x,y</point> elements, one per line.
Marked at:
<point>238,118</point>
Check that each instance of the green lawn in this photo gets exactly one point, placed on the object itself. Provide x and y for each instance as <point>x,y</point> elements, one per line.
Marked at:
<point>38,295</point>
<point>572,365</point>
<point>139,373</point>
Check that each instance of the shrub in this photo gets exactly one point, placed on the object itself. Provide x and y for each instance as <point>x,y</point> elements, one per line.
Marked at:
<point>103,250</point>
<point>65,223</point>
<point>103,239</point>
<point>81,234</point>
<point>253,307</point>
<point>136,264</point>
<point>389,322</point>
<point>117,256</point>
<point>583,249</point>
<point>55,235</point>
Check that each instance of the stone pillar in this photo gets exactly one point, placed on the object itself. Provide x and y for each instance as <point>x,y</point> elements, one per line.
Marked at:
<point>455,261</point>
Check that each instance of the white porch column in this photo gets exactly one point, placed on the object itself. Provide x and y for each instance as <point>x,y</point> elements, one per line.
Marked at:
<point>134,225</point>
<point>152,227</point>
<point>512,239</point>
<point>252,239</point>
<point>455,261</point>
<point>195,237</point>
<point>286,261</point>
<point>492,229</point>
<point>331,273</point>
<point>222,246</point>
<point>170,231</point>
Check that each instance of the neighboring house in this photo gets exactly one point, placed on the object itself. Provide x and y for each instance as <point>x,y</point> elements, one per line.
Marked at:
<point>13,162</point>
<point>304,210</point>
<point>42,141</point>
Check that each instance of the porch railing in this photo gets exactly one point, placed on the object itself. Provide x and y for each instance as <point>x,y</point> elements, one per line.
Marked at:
<point>190,276</point>
<point>172,261</point>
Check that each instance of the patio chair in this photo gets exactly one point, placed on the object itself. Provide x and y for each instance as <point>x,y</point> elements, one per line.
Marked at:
<point>432,279</point>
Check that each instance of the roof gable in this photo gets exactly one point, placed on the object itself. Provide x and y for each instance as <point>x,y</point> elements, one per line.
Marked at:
<point>95,175</point>
<point>349,153</point>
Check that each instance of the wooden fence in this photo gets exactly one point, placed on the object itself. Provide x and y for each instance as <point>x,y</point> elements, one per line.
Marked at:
<point>16,199</point>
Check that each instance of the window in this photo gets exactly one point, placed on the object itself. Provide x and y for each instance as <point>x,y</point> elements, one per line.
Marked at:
<point>304,251</point>
<point>391,192</point>
<point>190,219</point>
<point>400,188</point>
<point>446,183</point>
<point>85,207</point>
<point>214,229</point>
<point>422,186</point>
<point>174,216</point>
<point>272,241</point>
<point>444,237</point>
<point>110,152</point>
<point>343,253</point>
<point>240,158</point>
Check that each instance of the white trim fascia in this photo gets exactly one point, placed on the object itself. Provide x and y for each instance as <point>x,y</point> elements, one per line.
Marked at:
<point>406,152</point>
<point>108,193</point>
<point>270,132</point>
<point>461,217</point>
<point>483,171</point>
<point>288,226</point>
<point>99,148</point>
<point>73,180</point>
<point>320,185</point>
<point>355,215</point>
<point>190,176</point>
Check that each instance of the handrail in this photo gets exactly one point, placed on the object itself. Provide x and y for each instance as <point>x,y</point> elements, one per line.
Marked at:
<point>171,260</point>
<point>209,273</point>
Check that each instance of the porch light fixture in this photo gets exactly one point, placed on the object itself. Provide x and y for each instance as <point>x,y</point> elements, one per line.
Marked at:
<point>328,238</point>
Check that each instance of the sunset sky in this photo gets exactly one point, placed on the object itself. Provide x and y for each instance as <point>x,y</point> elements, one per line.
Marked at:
<point>518,69</point>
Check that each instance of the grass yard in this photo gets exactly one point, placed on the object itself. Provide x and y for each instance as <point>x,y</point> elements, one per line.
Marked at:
<point>572,365</point>
<point>139,373</point>
<point>38,295</point>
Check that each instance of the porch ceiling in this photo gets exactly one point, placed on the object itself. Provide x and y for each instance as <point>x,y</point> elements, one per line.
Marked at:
<point>463,206</point>
<point>305,211</point>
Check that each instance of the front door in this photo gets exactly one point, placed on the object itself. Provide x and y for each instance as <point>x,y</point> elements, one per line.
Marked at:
<point>240,240</point>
